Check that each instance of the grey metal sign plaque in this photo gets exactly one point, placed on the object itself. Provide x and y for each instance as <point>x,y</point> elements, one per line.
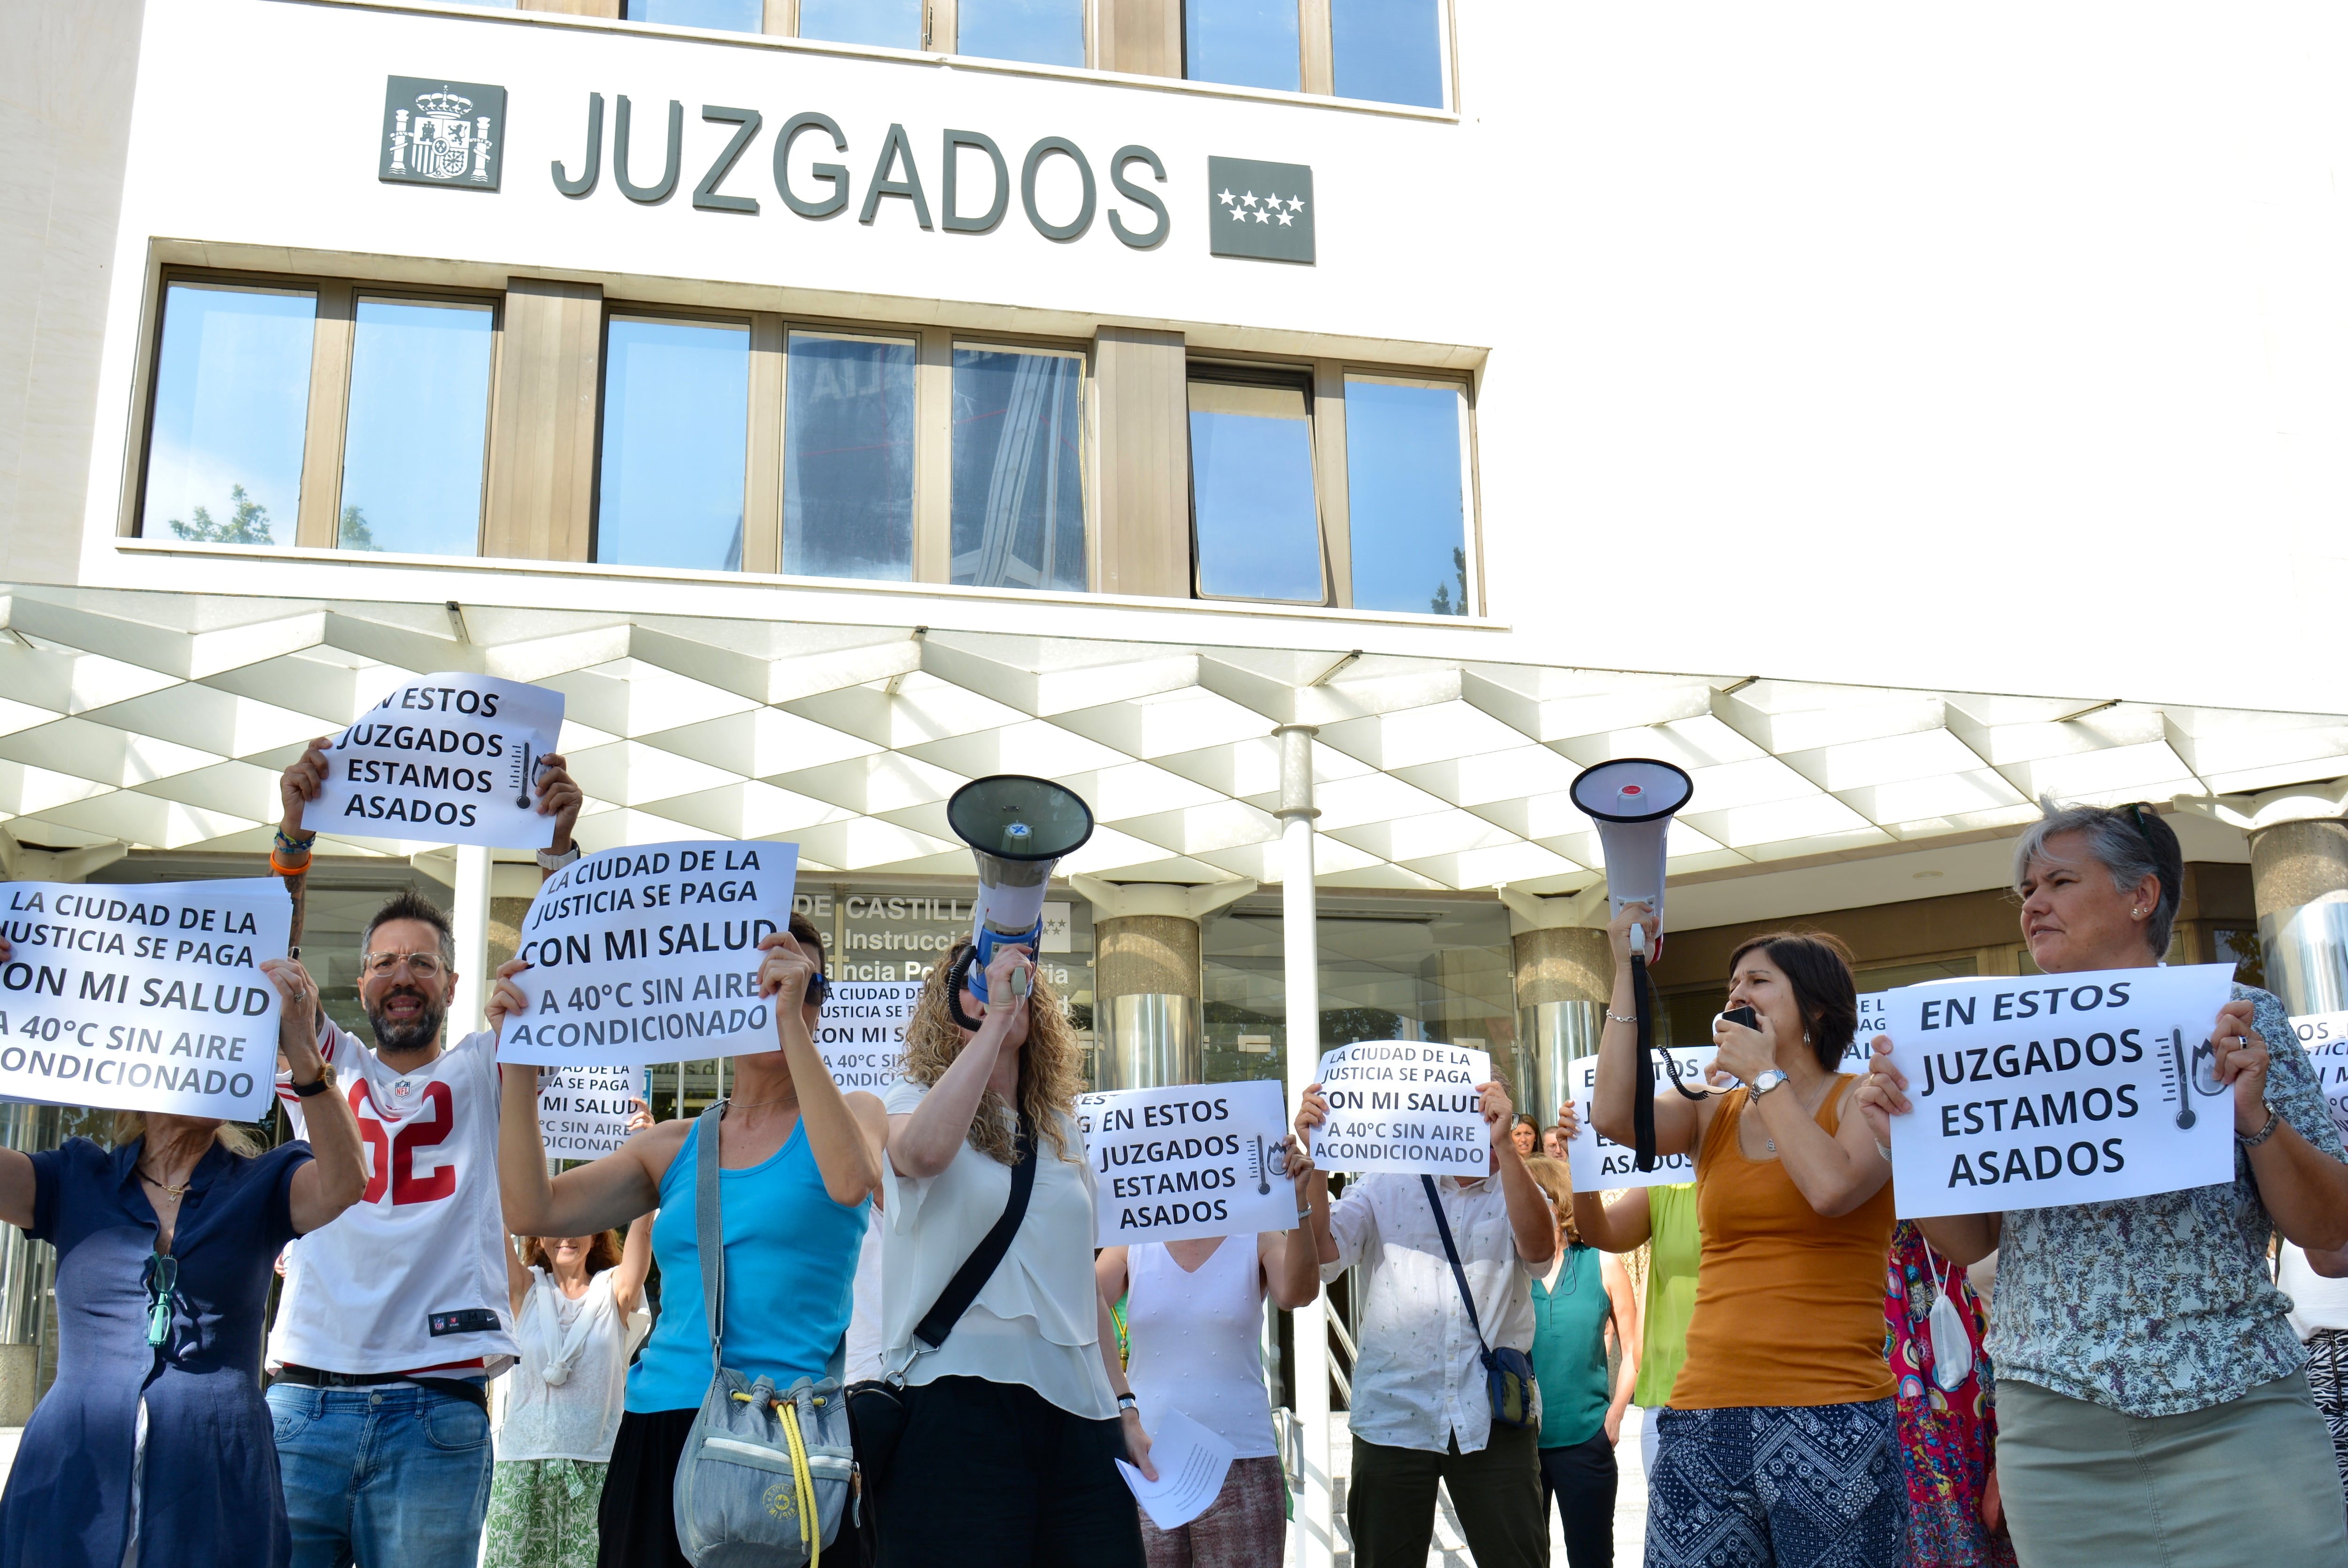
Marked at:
<point>439,132</point>
<point>1260,210</point>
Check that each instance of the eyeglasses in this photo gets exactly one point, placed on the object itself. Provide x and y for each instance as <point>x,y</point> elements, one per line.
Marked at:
<point>163,1279</point>
<point>423,965</point>
<point>818,990</point>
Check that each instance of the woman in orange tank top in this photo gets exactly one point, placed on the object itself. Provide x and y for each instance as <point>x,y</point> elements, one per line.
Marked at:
<point>1779,1445</point>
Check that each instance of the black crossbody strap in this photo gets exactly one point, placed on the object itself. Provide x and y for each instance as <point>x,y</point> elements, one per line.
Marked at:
<point>980,1266</point>
<point>1442,1228</point>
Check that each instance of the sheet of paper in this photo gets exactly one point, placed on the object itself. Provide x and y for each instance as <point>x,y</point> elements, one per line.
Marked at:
<point>1404,1106</point>
<point>582,1112</point>
<point>447,758</point>
<point>650,953</point>
<point>1174,1163</point>
<point>2058,1088</point>
<point>1190,1463</point>
<point>2325,1036</point>
<point>142,998</point>
<point>863,1034</point>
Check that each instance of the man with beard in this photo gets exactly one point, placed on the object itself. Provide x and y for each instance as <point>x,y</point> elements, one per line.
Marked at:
<point>395,1315</point>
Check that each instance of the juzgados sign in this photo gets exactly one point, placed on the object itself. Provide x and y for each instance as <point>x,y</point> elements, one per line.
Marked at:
<point>1275,222</point>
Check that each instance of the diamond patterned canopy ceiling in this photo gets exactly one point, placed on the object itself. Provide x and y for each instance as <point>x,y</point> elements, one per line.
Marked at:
<point>161,721</point>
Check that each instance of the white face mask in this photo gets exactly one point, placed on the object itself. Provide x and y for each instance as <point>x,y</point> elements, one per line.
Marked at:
<point>1953,1347</point>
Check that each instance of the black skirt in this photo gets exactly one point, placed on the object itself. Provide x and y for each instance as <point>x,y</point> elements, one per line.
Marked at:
<point>635,1525</point>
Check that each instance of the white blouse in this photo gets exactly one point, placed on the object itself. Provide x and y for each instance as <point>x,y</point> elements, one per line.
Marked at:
<point>1036,1322</point>
<point>565,1393</point>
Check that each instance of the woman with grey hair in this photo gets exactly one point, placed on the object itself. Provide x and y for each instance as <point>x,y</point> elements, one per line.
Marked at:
<point>2152,1404</point>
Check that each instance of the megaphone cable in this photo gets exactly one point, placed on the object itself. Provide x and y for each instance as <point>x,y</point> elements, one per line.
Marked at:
<point>1642,1105</point>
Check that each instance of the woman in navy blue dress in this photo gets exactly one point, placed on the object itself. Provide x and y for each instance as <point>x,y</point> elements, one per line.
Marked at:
<point>165,1245</point>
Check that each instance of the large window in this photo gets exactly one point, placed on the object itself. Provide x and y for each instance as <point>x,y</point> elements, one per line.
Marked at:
<point>418,427</point>
<point>232,405</point>
<point>1406,494</point>
<point>847,457</point>
<point>677,420</point>
<point>895,23</point>
<point>1388,50</point>
<point>1018,469</point>
<point>1247,43</point>
<point>1047,32</point>
<point>1255,520</point>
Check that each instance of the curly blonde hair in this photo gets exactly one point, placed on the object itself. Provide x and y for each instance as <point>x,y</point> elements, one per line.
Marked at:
<point>1051,1065</point>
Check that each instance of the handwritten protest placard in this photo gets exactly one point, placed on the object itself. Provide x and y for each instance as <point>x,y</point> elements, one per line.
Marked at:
<point>1601,1164</point>
<point>1405,1105</point>
<point>582,1112</point>
<point>650,953</point>
<point>146,998</point>
<point>863,1034</point>
<point>448,757</point>
<point>2058,1088</point>
<point>2325,1036</point>
<point>1173,1163</point>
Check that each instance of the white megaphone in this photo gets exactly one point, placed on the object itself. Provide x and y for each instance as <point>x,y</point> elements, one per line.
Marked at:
<point>1018,828</point>
<point>1632,800</point>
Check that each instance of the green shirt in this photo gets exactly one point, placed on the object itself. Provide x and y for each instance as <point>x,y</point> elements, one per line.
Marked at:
<point>1676,1247</point>
<point>1568,1351</point>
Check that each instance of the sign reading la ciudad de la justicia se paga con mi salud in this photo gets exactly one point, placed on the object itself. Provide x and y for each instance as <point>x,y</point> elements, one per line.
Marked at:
<point>441,132</point>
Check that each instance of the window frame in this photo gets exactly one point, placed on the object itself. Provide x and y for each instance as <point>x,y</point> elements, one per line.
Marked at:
<point>1268,372</point>
<point>332,345</point>
<point>753,521</point>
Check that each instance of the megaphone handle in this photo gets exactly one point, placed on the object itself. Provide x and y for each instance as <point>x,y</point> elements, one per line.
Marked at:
<point>1643,1107</point>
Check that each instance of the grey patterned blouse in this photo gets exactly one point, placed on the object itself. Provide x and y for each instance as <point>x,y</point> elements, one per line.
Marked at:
<point>2155,1306</point>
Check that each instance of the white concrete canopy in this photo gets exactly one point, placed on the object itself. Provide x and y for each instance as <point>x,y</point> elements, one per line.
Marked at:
<point>160,721</point>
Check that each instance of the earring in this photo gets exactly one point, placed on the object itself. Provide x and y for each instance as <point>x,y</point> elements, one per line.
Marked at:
<point>2137,914</point>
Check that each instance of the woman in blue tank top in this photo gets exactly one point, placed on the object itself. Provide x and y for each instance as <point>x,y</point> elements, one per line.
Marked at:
<point>797,1161</point>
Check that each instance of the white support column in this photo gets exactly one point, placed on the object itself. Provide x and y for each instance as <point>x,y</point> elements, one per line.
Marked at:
<point>471,918</point>
<point>1316,1508</point>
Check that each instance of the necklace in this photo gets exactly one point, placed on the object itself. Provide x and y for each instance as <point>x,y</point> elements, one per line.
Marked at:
<point>174,1193</point>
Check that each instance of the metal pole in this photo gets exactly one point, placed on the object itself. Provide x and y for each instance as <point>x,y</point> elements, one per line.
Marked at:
<point>471,919</point>
<point>1316,1508</point>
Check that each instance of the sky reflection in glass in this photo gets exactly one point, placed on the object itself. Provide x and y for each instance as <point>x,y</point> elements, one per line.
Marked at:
<point>1255,523</point>
<point>419,417</point>
<point>1403,488</point>
<point>232,401</point>
<point>676,424</point>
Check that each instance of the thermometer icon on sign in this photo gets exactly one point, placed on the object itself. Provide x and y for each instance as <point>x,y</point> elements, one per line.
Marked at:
<point>2185,1077</point>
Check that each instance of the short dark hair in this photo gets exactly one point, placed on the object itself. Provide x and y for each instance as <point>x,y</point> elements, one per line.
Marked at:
<point>409,904</point>
<point>1817,967</point>
<point>804,933</point>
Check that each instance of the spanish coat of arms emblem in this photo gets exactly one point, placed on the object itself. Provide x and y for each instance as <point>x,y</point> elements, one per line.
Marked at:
<point>439,132</point>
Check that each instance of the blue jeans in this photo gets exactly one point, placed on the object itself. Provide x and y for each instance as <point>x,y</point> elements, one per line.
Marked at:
<point>392,1477</point>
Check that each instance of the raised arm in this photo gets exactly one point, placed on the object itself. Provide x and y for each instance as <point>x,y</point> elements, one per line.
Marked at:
<point>1614,1104</point>
<point>559,797</point>
<point>335,1177</point>
<point>1882,1097</point>
<point>598,1196</point>
<point>1291,1259</point>
<point>1311,1113</point>
<point>844,1132</point>
<point>1530,1215</point>
<point>517,1280</point>
<point>2304,1188</point>
<point>1621,1227</point>
<point>925,1142</point>
<point>636,1262</point>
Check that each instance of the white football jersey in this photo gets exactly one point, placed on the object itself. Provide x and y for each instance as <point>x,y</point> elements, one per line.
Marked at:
<point>412,1276</point>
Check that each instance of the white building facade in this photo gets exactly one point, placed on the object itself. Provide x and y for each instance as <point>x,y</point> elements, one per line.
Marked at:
<point>1313,437</point>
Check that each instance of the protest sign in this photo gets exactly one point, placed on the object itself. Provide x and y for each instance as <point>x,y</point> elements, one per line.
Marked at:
<point>2325,1036</point>
<point>452,759</point>
<point>1601,1164</point>
<point>582,1112</point>
<point>2058,1088</point>
<point>650,953</point>
<point>863,1034</point>
<point>1404,1106</point>
<point>1173,1163</point>
<point>146,998</point>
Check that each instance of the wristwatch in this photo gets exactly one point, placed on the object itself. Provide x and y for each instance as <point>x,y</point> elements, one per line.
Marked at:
<point>326,1081</point>
<point>548,861</point>
<point>1765,1081</point>
<point>1128,1402</point>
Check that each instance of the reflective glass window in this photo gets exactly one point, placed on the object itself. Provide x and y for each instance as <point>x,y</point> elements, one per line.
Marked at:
<point>232,401</point>
<point>1255,525</point>
<point>725,16</point>
<point>895,23</point>
<point>1018,469</point>
<point>676,431</point>
<point>1388,50</point>
<point>847,457</point>
<point>1247,43</point>
<point>419,417</point>
<point>1404,487</point>
<point>1047,32</point>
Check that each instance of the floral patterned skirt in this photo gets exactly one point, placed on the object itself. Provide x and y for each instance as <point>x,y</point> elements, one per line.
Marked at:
<point>543,1513</point>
